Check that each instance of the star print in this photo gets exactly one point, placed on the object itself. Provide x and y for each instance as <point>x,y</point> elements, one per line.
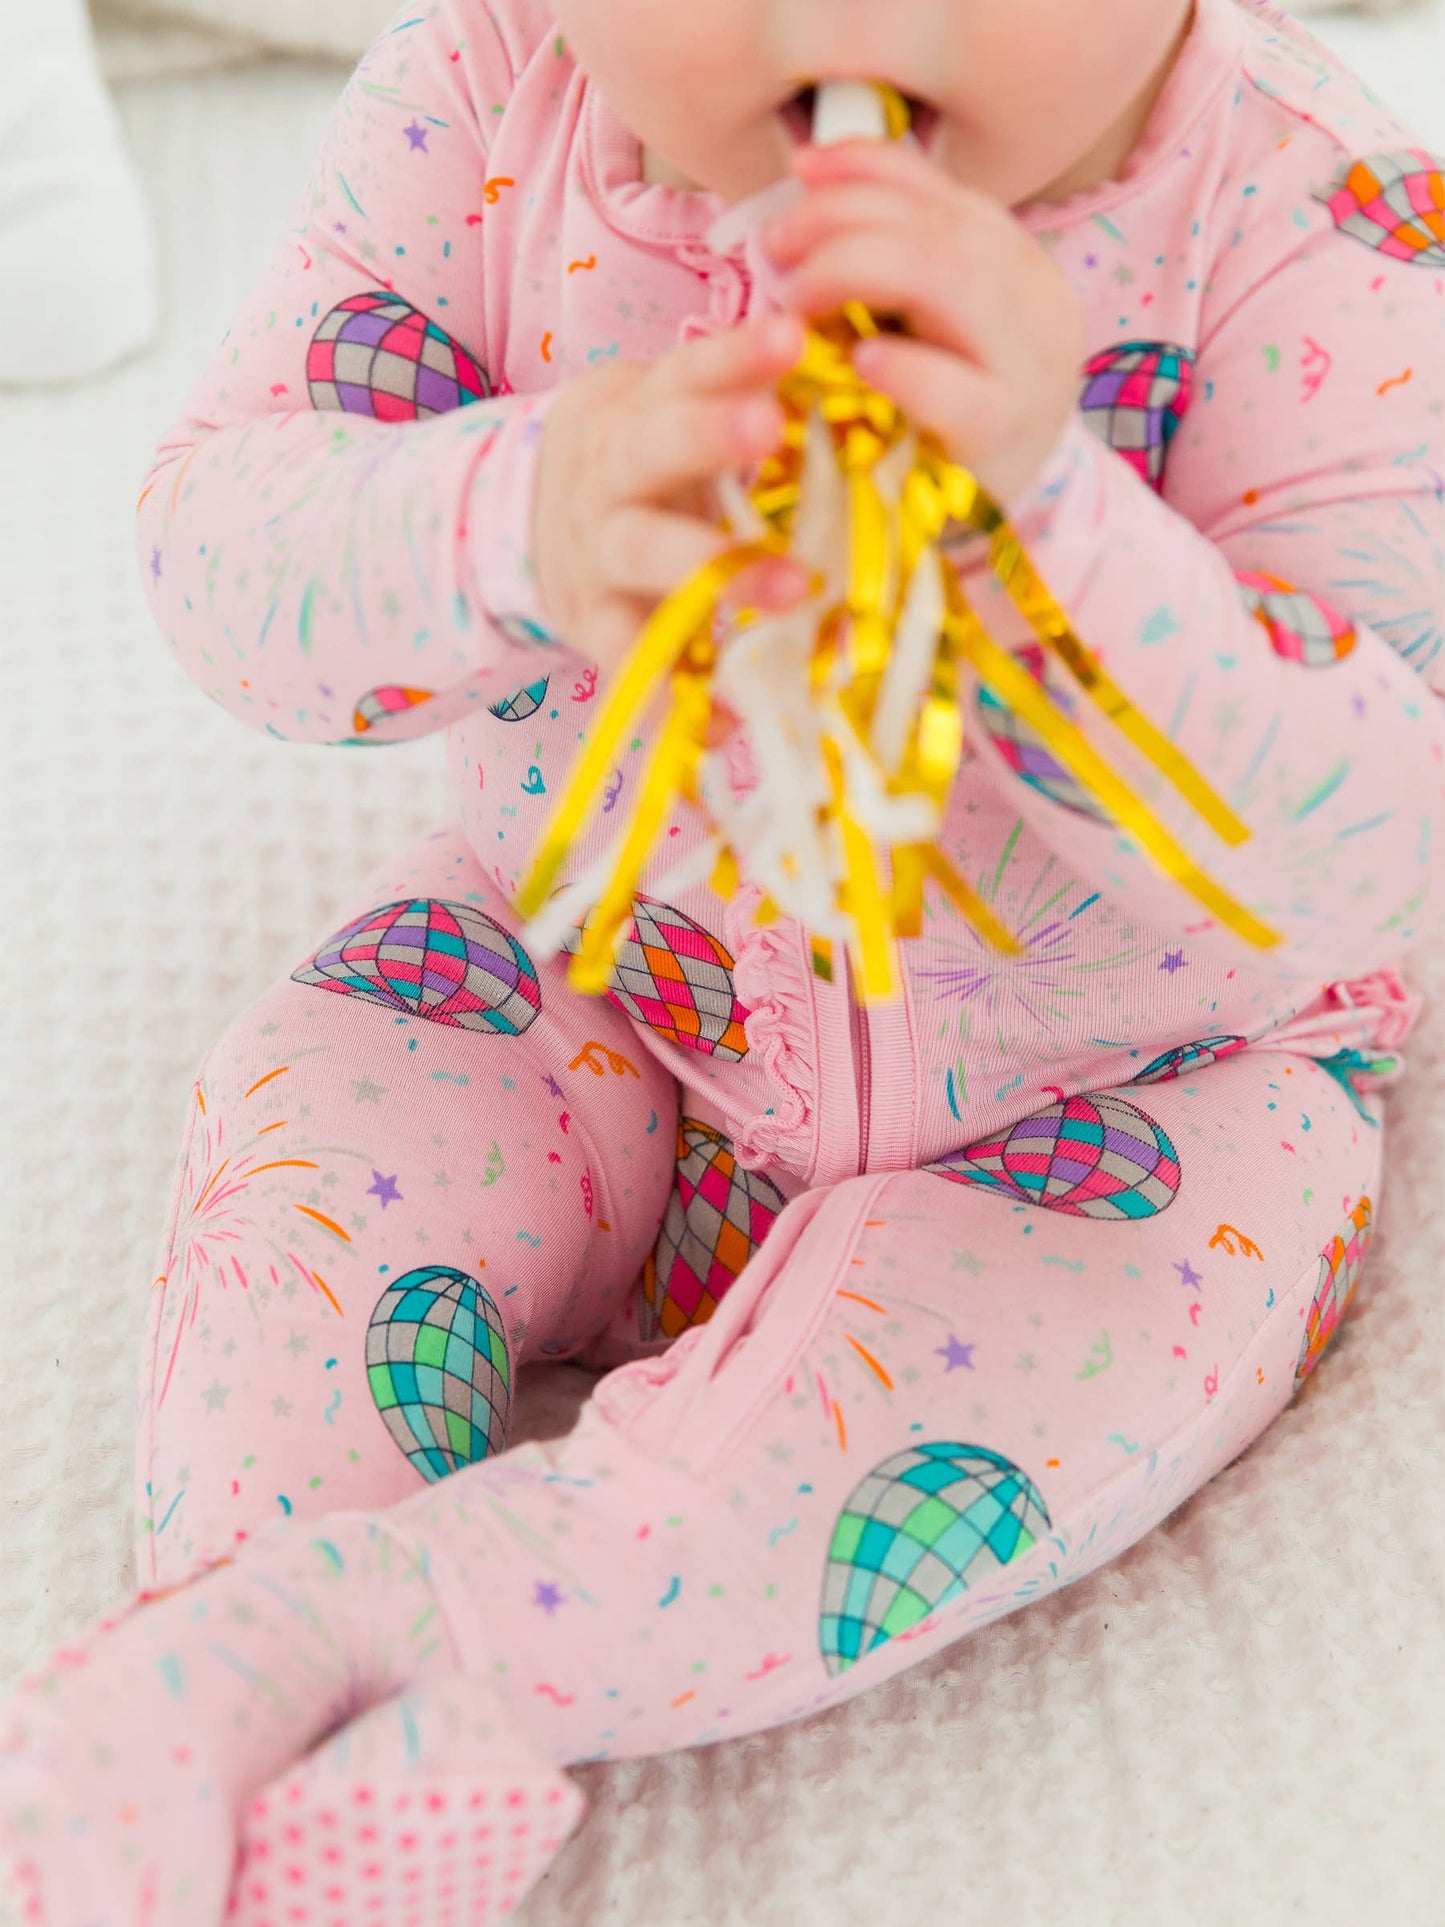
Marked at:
<point>780,1453</point>
<point>297,1343</point>
<point>281,1407</point>
<point>156,564</point>
<point>416,134</point>
<point>216,1397</point>
<point>1173,960</point>
<point>1188,1276</point>
<point>548,1596</point>
<point>269,1030</point>
<point>955,1353</point>
<point>290,1288</point>
<point>965,1261</point>
<point>441,1179</point>
<point>367,1092</point>
<point>385,1189</point>
<point>1026,1362</point>
<point>228,1348</point>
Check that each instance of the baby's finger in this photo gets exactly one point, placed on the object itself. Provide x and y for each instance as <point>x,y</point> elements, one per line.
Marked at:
<point>688,440</point>
<point>907,273</point>
<point>649,552</point>
<point>757,352</point>
<point>839,206</point>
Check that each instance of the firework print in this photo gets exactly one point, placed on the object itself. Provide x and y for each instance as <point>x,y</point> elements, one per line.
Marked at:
<point>1095,1306</point>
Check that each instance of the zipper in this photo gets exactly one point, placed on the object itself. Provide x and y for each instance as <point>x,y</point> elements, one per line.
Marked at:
<point>863,1069</point>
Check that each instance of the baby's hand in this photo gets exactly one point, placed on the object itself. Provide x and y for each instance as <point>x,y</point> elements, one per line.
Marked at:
<point>997,336</point>
<point>625,508</point>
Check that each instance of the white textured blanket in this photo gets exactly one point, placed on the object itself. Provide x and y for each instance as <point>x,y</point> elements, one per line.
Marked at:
<point>1239,1721</point>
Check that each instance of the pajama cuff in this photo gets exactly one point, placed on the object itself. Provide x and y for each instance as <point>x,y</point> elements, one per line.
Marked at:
<point>499,514</point>
<point>1059,517</point>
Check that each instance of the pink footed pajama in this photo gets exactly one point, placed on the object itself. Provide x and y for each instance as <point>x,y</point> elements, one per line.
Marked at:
<point>903,1317</point>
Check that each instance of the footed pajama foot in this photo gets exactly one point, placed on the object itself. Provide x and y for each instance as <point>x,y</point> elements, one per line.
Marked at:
<point>130,1767</point>
<point>427,1812</point>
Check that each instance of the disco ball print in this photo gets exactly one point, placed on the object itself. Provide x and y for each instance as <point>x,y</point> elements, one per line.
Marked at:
<point>1134,397</point>
<point>676,978</point>
<point>920,1528</point>
<point>1025,751</point>
<point>391,700</point>
<point>1339,1274</point>
<point>522,703</point>
<point>1395,204</point>
<point>717,1217</point>
<point>444,962</point>
<point>439,1370</point>
<point>1092,1157</point>
<point>375,355</point>
<point>1300,626</point>
<point>1185,1058</point>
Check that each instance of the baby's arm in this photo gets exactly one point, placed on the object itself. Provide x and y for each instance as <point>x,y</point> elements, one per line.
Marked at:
<point>326,564</point>
<point>1312,454</point>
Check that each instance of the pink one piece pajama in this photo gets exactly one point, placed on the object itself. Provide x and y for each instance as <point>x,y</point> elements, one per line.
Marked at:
<point>908,1316</point>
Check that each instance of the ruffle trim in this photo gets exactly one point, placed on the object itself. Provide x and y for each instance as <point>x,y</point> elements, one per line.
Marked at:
<point>774,986</point>
<point>1374,1013</point>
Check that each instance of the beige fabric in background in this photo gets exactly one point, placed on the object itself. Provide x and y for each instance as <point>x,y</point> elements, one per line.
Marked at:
<point>1242,1720</point>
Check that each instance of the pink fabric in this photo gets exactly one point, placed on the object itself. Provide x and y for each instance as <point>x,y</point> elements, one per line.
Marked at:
<point>916,1314</point>
<point>927,1398</point>
<point>1295,439</point>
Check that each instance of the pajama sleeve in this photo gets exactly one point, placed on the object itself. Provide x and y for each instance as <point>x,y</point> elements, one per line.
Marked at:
<point>335,535</point>
<point>1276,608</point>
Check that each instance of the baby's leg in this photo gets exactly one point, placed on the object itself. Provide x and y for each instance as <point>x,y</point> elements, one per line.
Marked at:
<point>414,1163</point>
<point>923,1404</point>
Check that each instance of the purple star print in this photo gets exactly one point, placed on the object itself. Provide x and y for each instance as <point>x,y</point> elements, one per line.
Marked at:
<point>955,1353</point>
<point>1173,960</point>
<point>385,1189</point>
<point>546,1595</point>
<point>1188,1276</point>
<point>416,134</point>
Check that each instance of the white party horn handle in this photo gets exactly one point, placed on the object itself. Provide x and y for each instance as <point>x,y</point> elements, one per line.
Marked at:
<point>846,110</point>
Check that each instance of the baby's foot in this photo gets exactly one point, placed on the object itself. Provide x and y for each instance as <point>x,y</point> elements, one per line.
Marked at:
<point>129,1768</point>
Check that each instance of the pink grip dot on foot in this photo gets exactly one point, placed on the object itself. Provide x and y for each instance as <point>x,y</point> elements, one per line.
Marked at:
<point>426,1812</point>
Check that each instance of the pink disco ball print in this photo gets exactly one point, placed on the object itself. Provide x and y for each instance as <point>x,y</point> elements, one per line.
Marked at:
<point>443,962</point>
<point>1395,204</point>
<point>379,356</point>
<point>1092,1157</point>
<point>390,700</point>
<point>676,978</point>
<point>1301,627</point>
<point>1134,397</point>
<point>716,1219</point>
<point>1185,1058</point>
<point>1340,1263</point>
<point>1025,751</point>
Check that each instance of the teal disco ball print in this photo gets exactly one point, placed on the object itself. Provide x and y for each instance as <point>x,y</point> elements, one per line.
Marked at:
<point>920,1528</point>
<point>439,1369</point>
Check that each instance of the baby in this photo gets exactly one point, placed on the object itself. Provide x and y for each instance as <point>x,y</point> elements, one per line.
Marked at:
<point>909,1314</point>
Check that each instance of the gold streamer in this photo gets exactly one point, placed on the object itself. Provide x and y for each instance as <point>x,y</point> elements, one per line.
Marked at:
<point>886,551</point>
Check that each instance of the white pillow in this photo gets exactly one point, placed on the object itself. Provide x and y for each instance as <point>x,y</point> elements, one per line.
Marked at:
<point>342,28</point>
<point>75,233</point>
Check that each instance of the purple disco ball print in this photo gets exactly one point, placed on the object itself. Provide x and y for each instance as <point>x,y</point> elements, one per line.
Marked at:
<point>1091,1157</point>
<point>443,962</point>
<point>1185,1058</point>
<point>1025,751</point>
<point>1134,397</point>
<point>377,355</point>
